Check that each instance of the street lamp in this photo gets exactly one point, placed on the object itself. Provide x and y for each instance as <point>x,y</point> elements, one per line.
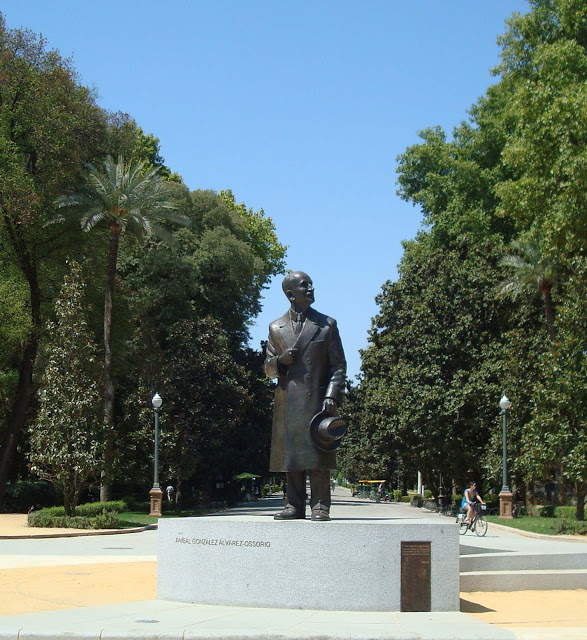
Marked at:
<point>505,497</point>
<point>156,494</point>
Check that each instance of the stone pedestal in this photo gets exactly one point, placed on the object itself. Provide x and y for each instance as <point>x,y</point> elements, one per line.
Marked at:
<point>505,505</point>
<point>349,565</point>
<point>156,496</point>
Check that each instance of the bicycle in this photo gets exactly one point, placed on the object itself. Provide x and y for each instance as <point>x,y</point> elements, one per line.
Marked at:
<point>478,524</point>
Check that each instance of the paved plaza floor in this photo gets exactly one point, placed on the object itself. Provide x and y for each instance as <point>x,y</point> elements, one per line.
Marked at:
<point>104,574</point>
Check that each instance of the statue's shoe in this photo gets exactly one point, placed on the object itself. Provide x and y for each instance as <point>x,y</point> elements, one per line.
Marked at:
<point>320,515</point>
<point>289,513</point>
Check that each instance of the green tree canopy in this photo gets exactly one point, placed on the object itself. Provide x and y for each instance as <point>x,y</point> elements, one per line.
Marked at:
<point>66,437</point>
<point>49,126</point>
<point>503,202</point>
<point>123,197</point>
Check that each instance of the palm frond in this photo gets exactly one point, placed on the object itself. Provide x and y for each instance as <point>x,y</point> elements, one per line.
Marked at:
<point>528,267</point>
<point>123,191</point>
<point>91,218</point>
<point>507,287</point>
<point>512,261</point>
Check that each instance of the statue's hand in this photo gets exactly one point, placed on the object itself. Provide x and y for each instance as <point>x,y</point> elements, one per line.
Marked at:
<point>329,406</point>
<point>288,357</point>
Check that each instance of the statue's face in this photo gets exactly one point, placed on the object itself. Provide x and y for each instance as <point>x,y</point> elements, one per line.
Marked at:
<point>301,292</point>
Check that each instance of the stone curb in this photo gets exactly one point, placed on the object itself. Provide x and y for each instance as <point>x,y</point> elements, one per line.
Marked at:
<point>76,534</point>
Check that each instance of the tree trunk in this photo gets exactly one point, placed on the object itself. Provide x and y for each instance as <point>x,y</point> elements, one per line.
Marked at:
<point>67,501</point>
<point>529,496</point>
<point>178,496</point>
<point>109,439</point>
<point>22,398</point>
<point>17,417</point>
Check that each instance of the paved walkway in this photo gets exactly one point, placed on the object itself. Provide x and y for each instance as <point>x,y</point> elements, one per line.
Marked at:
<point>94,579</point>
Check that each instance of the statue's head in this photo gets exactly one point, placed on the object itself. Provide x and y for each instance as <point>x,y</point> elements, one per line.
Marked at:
<point>299,289</point>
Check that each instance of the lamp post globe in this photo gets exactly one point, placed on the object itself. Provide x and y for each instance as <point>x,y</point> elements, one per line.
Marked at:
<point>156,495</point>
<point>505,497</point>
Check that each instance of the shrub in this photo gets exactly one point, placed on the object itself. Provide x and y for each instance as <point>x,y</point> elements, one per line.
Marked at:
<point>93,515</point>
<point>106,520</point>
<point>265,490</point>
<point>547,511</point>
<point>551,511</point>
<point>571,526</point>
<point>90,509</point>
<point>47,520</point>
<point>417,501</point>
<point>565,512</point>
<point>397,495</point>
<point>130,502</point>
<point>406,499</point>
<point>427,494</point>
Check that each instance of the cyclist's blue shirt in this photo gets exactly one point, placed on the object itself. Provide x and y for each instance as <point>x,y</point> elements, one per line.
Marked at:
<point>472,493</point>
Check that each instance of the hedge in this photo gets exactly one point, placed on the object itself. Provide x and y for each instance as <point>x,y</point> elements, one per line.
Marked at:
<point>550,511</point>
<point>92,515</point>
<point>90,509</point>
<point>104,520</point>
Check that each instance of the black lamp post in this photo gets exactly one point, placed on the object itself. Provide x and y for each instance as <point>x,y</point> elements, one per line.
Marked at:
<point>505,496</point>
<point>156,494</point>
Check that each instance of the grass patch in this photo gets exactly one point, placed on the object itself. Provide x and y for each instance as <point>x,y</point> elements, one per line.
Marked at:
<point>132,519</point>
<point>547,526</point>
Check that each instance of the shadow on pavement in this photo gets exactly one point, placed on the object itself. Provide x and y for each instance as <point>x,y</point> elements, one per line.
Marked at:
<point>473,607</point>
<point>467,550</point>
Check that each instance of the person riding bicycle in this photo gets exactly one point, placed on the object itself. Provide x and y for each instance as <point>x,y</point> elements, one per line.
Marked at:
<point>470,498</point>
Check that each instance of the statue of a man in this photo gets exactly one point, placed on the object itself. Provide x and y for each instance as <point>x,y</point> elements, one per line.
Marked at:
<point>305,354</point>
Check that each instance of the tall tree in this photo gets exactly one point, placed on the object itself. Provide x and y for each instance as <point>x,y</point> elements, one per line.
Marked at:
<point>219,265</point>
<point>553,443</point>
<point>514,172</point>
<point>123,197</point>
<point>544,70</point>
<point>49,126</point>
<point>430,372</point>
<point>66,437</point>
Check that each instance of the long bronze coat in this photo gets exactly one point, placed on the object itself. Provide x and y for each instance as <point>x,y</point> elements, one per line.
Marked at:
<point>317,373</point>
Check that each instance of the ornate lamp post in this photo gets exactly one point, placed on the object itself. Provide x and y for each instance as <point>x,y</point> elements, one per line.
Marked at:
<point>156,494</point>
<point>505,497</point>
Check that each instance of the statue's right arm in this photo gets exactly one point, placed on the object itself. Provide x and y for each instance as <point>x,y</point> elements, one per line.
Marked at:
<point>271,360</point>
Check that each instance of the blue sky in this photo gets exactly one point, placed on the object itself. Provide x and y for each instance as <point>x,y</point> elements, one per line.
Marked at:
<point>300,108</point>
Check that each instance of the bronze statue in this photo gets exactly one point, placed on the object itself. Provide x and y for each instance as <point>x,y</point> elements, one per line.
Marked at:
<point>305,354</point>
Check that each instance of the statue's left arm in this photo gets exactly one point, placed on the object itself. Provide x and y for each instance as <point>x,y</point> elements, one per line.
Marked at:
<point>336,366</point>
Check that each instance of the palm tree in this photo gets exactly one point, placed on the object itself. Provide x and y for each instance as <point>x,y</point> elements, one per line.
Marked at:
<point>124,197</point>
<point>530,270</point>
